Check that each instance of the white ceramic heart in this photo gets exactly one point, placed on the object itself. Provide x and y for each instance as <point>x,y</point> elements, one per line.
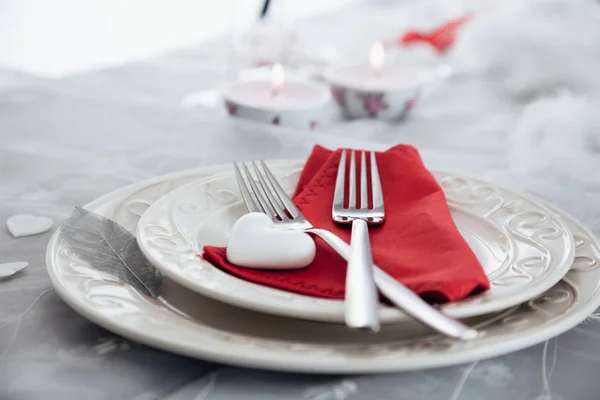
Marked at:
<point>26,225</point>
<point>9,269</point>
<point>255,243</point>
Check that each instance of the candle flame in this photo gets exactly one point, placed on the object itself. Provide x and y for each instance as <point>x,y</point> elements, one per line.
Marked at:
<point>277,78</point>
<point>377,56</point>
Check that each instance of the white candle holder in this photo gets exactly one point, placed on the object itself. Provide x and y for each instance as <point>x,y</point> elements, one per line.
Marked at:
<point>362,93</point>
<point>305,118</point>
<point>293,104</point>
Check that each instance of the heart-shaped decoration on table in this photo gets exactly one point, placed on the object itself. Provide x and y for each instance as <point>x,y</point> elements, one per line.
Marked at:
<point>27,225</point>
<point>9,269</point>
<point>255,243</point>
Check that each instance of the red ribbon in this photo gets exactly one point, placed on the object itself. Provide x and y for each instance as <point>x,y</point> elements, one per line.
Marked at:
<point>441,38</point>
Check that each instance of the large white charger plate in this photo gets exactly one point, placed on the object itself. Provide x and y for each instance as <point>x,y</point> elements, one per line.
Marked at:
<point>202,328</point>
<point>523,248</point>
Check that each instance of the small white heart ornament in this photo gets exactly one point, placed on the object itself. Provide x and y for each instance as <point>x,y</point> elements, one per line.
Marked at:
<point>9,269</point>
<point>255,243</point>
<point>26,225</point>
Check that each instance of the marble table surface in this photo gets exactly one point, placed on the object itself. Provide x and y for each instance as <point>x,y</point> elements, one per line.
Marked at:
<point>66,142</point>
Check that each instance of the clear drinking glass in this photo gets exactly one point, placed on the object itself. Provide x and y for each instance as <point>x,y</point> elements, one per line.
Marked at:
<point>262,33</point>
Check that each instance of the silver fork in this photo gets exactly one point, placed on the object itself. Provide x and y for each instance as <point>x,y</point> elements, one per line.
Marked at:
<point>345,215</point>
<point>362,303</point>
<point>262,193</point>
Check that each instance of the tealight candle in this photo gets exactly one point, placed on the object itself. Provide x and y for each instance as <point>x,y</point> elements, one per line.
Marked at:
<point>294,104</point>
<point>375,90</point>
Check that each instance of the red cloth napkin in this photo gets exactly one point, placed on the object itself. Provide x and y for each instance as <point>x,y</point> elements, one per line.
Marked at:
<point>441,38</point>
<point>418,244</point>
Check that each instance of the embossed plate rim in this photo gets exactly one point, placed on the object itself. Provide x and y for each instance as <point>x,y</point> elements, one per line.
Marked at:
<point>216,284</point>
<point>296,358</point>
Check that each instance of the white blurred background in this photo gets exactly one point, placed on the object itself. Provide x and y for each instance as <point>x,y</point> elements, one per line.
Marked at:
<point>57,38</point>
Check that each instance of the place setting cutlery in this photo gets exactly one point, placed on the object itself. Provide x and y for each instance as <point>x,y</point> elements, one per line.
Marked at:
<point>267,196</point>
<point>361,298</point>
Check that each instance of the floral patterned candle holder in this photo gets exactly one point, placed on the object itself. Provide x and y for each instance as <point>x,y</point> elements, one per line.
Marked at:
<point>375,91</point>
<point>295,104</point>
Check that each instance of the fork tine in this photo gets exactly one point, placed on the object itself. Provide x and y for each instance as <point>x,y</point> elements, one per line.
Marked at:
<point>266,206</point>
<point>364,194</point>
<point>267,191</point>
<point>283,197</point>
<point>338,197</point>
<point>352,182</point>
<point>272,191</point>
<point>376,183</point>
<point>250,202</point>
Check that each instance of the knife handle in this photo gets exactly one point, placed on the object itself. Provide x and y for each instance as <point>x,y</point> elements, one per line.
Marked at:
<point>403,297</point>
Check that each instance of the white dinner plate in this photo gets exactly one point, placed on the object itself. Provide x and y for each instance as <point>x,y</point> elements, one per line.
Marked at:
<point>196,326</point>
<point>523,248</point>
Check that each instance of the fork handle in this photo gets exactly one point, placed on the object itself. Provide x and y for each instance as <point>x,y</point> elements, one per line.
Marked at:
<point>361,303</point>
<point>402,296</point>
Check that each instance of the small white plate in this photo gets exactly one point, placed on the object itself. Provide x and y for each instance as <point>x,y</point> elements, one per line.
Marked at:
<point>202,328</point>
<point>523,248</point>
